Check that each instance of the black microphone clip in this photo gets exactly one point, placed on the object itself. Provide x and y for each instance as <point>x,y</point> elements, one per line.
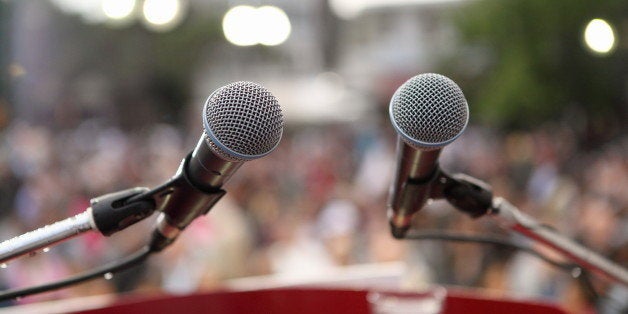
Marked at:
<point>116,211</point>
<point>180,202</point>
<point>467,194</point>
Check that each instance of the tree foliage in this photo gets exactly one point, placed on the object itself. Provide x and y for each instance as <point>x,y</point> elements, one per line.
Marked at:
<point>536,65</point>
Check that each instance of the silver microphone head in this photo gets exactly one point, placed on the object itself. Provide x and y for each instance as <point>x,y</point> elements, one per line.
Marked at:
<point>429,111</point>
<point>243,121</point>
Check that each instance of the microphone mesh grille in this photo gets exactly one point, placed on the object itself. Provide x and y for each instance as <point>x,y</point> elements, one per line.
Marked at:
<point>245,119</point>
<point>430,110</point>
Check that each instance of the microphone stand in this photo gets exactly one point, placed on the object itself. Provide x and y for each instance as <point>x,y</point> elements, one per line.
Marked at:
<point>45,236</point>
<point>475,198</point>
<point>108,214</point>
<point>114,212</point>
<point>510,217</point>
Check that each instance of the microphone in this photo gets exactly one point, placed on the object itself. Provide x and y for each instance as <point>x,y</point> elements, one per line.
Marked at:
<point>428,112</point>
<point>242,121</point>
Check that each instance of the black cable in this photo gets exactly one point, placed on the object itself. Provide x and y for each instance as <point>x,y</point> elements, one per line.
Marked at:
<point>457,237</point>
<point>113,267</point>
<point>572,269</point>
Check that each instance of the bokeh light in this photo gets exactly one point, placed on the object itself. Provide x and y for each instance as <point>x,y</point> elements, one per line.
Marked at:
<point>162,14</point>
<point>246,25</point>
<point>599,36</point>
<point>274,26</point>
<point>118,9</point>
<point>239,25</point>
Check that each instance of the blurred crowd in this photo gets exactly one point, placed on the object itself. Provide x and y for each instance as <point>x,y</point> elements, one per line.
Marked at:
<point>316,203</point>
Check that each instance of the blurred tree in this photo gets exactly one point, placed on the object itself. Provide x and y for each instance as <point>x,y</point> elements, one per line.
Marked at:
<point>535,67</point>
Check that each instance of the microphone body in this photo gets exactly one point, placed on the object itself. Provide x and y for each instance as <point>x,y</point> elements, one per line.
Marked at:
<point>428,112</point>
<point>416,169</point>
<point>196,186</point>
<point>207,170</point>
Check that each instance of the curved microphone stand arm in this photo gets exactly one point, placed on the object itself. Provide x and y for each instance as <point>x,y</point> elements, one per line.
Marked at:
<point>510,217</point>
<point>475,198</point>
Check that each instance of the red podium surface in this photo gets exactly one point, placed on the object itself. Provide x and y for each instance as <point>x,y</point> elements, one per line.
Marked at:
<point>313,300</point>
<point>358,289</point>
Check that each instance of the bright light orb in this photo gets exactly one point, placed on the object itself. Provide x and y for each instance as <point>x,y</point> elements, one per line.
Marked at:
<point>161,12</point>
<point>247,26</point>
<point>599,36</point>
<point>118,9</point>
<point>240,25</point>
<point>274,26</point>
